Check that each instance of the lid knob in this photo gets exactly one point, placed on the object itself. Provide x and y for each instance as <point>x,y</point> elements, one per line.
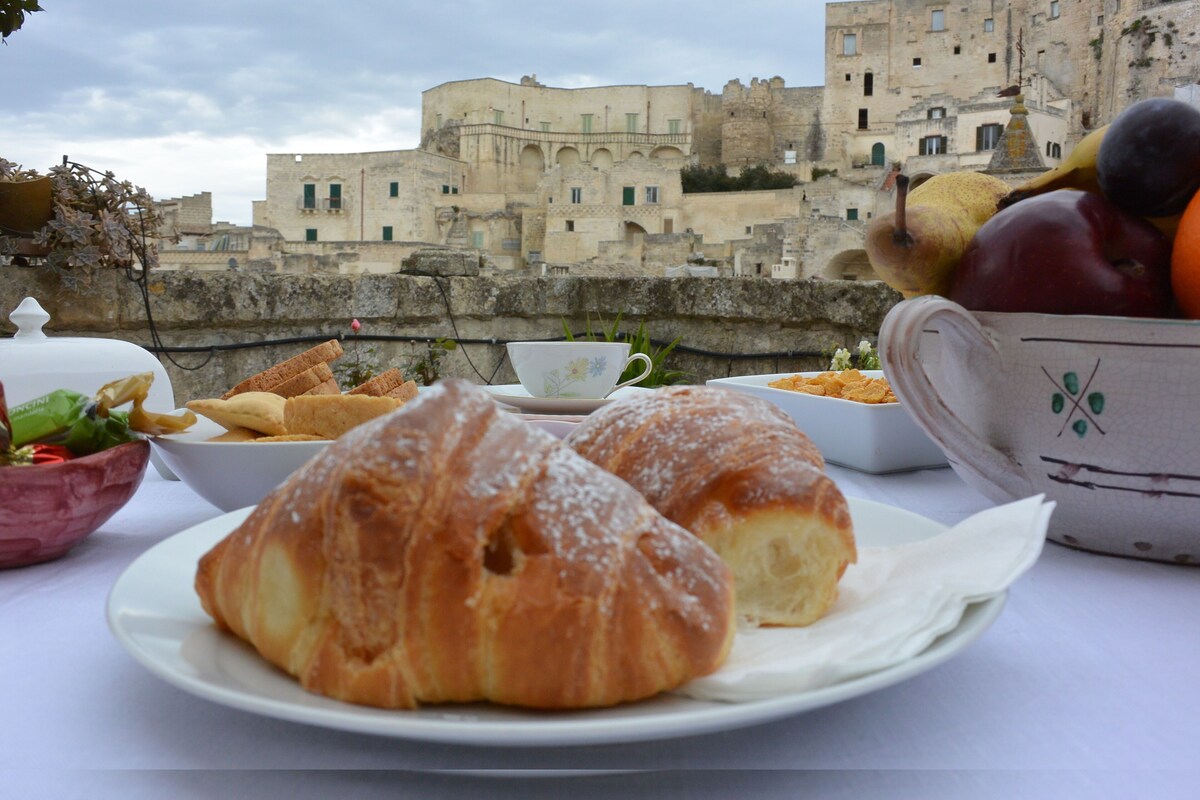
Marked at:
<point>29,317</point>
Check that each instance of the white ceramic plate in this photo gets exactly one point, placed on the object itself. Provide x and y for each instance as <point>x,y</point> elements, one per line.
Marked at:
<point>869,438</point>
<point>514,394</point>
<point>155,615</point>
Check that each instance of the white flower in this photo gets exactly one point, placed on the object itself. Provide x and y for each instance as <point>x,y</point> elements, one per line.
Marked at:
<point>868,356</point>
<point>841,359</point>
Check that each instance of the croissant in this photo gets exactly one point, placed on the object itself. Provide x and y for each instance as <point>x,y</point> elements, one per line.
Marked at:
<point>450,552</point>
<point>737,472</point>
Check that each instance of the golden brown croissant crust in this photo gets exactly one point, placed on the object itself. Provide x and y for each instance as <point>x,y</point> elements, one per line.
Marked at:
<point>736,471</point>
<point>449,552</point>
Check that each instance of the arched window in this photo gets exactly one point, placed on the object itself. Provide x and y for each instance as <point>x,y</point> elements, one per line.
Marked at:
<point>877,154</point>
<point>868,84</point>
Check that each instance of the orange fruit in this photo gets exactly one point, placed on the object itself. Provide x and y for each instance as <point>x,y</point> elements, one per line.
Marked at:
<point>1185,260</point>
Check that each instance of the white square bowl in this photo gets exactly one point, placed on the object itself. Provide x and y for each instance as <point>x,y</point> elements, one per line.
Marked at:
<point>867,437</point>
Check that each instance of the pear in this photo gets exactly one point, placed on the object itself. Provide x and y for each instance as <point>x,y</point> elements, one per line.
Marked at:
<point>916,249</point>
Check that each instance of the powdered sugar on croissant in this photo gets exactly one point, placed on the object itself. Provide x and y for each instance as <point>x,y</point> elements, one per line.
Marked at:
<point>737,472</point>
<point>449,552</point>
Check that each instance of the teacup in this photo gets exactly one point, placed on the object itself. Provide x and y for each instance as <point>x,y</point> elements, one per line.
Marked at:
<point>581,370</point>
<point>1097,413</point>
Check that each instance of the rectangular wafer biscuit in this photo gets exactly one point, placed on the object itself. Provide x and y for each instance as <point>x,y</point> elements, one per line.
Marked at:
<point>325,387</point>
<point>261,382</point>
<point>405,391</point>
<point>381,384</point>
<point>329,416</point>
<point>303,382</point>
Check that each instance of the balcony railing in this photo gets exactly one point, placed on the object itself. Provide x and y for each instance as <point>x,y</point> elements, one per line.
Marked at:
<point>312,205</point>
<point>595,137</point>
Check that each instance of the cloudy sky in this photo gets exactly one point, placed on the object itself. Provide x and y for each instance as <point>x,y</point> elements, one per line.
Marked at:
<point>185,96</point>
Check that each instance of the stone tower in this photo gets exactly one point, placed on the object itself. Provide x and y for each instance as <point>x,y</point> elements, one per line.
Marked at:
<point>746,130</point>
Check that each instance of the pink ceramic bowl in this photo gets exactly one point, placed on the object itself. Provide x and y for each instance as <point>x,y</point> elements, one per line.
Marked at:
<point>50,508</point>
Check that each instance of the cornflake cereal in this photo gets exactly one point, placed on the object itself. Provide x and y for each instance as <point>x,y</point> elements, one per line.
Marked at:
<point>847,384</point>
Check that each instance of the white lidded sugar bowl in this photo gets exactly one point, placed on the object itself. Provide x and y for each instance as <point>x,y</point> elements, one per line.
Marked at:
<point>33,364</point>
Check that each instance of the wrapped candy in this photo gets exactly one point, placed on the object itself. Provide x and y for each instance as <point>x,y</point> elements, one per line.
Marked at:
<point>64,423</point>
<point>29,454</point>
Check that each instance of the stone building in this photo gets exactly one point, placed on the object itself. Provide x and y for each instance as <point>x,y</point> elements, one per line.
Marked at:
<point>385,196</point>
<point>587,181</point>
<point>511,133</point>
<point>192,240</point>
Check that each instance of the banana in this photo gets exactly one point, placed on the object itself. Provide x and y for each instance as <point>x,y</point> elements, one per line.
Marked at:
<point>1077,172</point>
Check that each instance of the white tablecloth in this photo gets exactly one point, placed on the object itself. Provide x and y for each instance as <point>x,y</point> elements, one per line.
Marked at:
<point>1086,686</point>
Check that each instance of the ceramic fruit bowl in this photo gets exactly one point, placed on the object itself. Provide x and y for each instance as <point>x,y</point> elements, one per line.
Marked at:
<point>50,508</point>
<point>1097,413</point>
<point>231,475</point>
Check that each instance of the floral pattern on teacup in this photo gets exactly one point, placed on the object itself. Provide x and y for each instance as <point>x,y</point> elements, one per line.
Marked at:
<point>555,382</point>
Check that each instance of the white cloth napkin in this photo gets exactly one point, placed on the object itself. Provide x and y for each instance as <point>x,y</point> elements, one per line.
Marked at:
<point>891,605</point>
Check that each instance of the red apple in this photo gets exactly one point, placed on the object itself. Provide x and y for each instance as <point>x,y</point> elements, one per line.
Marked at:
<point>1066,252</point>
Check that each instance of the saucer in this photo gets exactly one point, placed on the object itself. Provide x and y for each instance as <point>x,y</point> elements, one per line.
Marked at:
<point>560,425</point>
<point>513,394</point>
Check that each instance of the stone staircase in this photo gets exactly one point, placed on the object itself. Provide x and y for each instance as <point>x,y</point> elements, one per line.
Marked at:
<point>458,235</point>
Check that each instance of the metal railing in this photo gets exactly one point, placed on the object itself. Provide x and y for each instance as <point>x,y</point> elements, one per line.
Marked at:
<point>314,204</point>
<point>616,137</point>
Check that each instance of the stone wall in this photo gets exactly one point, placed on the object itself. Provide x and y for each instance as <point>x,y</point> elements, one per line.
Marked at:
<point>707,121</point>
<point>239,323</point>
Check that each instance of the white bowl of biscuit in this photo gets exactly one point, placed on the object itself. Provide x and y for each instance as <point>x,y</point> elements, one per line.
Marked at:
<point>248,441</point>
<point>231,474</point>
<point>243,447</point>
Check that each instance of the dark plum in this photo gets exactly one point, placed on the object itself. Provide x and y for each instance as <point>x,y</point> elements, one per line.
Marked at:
<point>1149,162</point>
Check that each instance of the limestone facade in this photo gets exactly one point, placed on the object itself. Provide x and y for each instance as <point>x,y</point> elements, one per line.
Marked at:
<point>586,181</point>
<point>358,197</point>
<point>585,205</point>
<point>511,134</point>
<point>1083,61</point>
